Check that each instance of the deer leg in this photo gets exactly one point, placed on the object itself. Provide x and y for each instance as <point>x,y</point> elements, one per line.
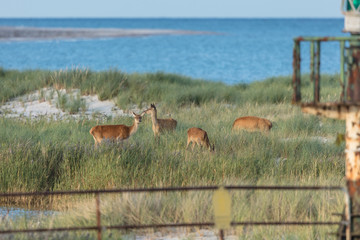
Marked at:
<point>187,145</point>
<point>119,142</point>
<point>96,142</point>
<point>157,138</point>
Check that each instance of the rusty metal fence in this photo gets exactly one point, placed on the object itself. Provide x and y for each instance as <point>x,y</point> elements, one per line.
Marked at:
<point>99,228</point>
<point>315,52</point>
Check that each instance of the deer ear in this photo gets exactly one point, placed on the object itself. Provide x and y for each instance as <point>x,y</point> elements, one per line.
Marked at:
<point>133,114</point>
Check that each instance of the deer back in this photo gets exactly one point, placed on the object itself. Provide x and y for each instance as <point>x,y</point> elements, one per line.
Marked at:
<point>110,131</point>
<point>198,135</point>
<point>252,123</point>
<point>167,124</point>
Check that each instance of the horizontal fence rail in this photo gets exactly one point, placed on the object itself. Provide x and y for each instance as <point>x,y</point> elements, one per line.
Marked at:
<point>99,228</point>
<point>171,189</point>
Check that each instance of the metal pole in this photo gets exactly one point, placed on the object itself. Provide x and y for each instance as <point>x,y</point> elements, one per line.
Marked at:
<point>98,216</point>
<point>221,234</point>
<point>348,215</point>
<point>352,167</point>
<point>343,97</point>
<point>317,73</point>
<point>354,71</point>
<point>296,72</point>
<point>312,74</point>
<point>352,149</point>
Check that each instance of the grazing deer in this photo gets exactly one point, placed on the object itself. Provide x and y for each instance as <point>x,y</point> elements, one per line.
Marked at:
<point>160,125</point>
<point>115,132</point>
<point>200,137</point>
<point>251,124</point>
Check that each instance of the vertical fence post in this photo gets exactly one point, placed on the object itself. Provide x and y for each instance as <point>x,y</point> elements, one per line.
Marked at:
<point>317,73</point>
<point>353,63</point>
<point>296,72</point>
<point>342,72</point>
<point>352,165</point>
<point>98,215</point>
<point>348,216</point>
<point>221,234</point>
<point>312,73</point>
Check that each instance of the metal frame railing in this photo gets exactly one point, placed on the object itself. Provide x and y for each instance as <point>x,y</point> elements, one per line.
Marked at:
<point>315,50</point>
<point>99,227</point>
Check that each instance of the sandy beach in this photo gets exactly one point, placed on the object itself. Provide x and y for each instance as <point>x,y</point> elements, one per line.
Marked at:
<point>32,33</point>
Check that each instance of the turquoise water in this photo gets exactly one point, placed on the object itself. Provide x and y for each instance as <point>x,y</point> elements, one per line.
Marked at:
<point>245,50</point>
<point>12,213</point>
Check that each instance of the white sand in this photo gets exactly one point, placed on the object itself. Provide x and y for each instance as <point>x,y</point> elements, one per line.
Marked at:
<point>201,234</point>
<point>44,103</point>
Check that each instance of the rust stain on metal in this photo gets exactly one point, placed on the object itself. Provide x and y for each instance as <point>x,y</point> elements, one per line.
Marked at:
<point>352,150</point>
<point>296,73</point>
<point>317,73</point>
<point>353,89</point>
<point>294,81</point>
<point>352,187</point>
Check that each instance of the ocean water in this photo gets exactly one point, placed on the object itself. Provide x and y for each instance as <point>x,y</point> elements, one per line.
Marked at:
<point>12,213</point>
<point>242,51</point>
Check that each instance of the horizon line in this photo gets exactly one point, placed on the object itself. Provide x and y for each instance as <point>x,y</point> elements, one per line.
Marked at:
<point>171,17</point>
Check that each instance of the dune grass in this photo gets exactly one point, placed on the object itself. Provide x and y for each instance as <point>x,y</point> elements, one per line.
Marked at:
<point>42,154</point>
<point>171,89</point>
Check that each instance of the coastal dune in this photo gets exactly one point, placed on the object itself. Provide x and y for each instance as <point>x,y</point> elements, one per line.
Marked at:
<point>33,33</point>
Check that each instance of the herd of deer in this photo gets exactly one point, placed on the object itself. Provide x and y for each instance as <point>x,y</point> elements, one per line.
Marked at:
<point>195,135</point>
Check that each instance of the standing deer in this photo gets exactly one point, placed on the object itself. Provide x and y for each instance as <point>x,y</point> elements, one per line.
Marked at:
<point>251,124</point>
<point>160,125</point>
<point>200,137</point>
<point>115,132</point>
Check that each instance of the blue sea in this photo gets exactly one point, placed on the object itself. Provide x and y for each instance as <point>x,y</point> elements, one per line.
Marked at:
<point>242,51</point>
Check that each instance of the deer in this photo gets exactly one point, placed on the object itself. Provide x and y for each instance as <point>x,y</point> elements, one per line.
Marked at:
<point>199,137</point>
<point>160,125</point>
<point>115,132</point>
<point>251,123</point>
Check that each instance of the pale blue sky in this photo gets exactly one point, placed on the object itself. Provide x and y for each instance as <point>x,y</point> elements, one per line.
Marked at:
<point>170,8</point>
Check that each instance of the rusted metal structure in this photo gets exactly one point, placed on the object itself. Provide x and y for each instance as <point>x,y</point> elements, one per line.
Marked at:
<point>346,108</point>
<point>99,228</point>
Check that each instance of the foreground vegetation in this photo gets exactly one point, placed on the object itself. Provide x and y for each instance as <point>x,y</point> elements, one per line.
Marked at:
<point>39,155</point>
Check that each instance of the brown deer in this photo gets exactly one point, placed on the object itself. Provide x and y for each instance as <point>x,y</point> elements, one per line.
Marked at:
<point>115,132</point>
<point>200,137</point>
<point>251,123</point>
<point>160,125</point>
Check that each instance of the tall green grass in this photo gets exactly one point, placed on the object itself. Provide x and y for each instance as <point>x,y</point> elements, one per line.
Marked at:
<point>174,90</point>
<point>43,154</point>
<point>60,154</point>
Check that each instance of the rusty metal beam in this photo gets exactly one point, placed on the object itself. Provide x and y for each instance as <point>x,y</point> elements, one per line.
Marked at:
<point>317,73</point>
<point>336,110</point>
<point>327,39</point>
<point>296,73</point>
<point>172,225</point>
<point>343,81</point>
<point>98,216</point>
<point>172,189</point>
